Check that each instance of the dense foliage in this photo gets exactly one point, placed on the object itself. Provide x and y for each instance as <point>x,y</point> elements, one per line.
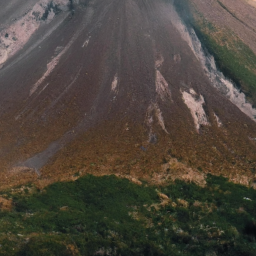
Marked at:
<point>112,216</point>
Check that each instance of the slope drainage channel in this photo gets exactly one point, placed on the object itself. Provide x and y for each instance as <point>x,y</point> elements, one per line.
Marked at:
<point>39,160</point>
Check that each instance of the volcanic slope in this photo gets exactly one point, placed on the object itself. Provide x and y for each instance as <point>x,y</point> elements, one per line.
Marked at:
<point>115,87</point>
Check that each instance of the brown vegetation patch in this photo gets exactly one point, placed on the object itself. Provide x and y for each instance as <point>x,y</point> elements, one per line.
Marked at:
<point>18,176</point>
<point>206,207</point>
<point>174,170</point>
<point>5,204</point>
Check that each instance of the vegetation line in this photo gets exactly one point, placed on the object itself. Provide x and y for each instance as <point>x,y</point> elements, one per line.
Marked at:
<point>233,58</point>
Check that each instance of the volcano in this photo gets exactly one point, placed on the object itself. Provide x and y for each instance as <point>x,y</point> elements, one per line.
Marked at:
<point>125,87</point>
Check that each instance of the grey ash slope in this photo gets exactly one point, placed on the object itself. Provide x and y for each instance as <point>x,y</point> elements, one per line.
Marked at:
<point>115,78</point>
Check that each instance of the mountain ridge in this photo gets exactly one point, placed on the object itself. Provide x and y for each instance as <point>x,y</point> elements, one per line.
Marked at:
<point>128,80</point>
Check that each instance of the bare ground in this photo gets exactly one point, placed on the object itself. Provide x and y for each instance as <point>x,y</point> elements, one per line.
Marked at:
<point>113,101</point>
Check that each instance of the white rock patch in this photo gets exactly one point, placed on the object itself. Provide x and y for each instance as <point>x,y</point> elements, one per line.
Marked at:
<point>154,110</point>
<point>219,123</point>
<point>60,51</point>
<point>3,55</point>
<point>162,88</point>
<point>159,62</point>
<point>53,63</point>
<point>114,84</point>
<point>50,67</point>
<point>86,42</point>
<point>238,99</point>
<point>14,37</point>
<point>195,105</point>
<point>160,118</point>
<point>161,84</point>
